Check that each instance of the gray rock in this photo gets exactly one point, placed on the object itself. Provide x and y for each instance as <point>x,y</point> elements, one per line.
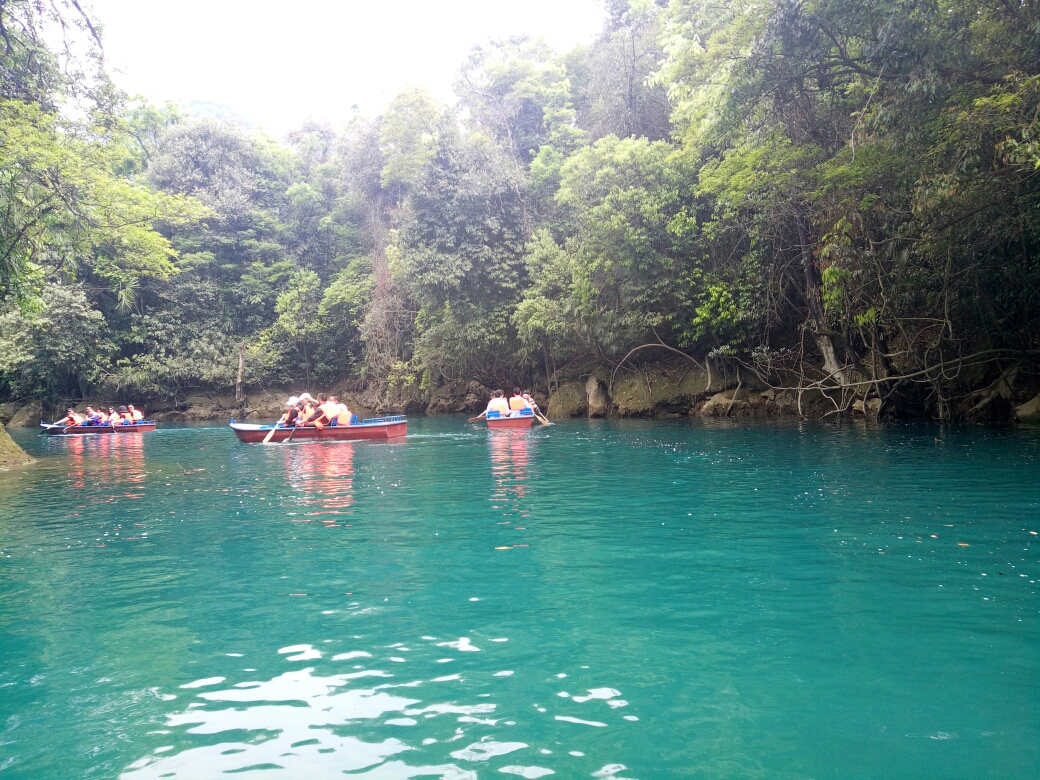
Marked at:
<point>569,400</point>
<point>1029,411</point>
<point>27,416</point>
<point>596,397</point>
<point>458,397</point>
<point>731,402</point>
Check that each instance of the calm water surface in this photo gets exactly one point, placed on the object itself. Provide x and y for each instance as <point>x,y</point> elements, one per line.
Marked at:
<point>633,600</point>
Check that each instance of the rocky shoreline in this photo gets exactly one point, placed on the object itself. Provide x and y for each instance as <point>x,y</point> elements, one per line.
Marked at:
<point>657,390</point>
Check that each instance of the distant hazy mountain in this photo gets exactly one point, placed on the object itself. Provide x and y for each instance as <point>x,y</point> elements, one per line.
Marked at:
<point>200,109</point>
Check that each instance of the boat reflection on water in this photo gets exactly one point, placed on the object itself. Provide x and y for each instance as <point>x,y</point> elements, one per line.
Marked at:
<point>104,460</point>
<point>322,479</point>
<point>510,459</point>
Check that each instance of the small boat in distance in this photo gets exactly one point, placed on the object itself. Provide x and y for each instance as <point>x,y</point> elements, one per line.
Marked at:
<point>81,429</point>
<point>376,428</point>
<point>523,420</point>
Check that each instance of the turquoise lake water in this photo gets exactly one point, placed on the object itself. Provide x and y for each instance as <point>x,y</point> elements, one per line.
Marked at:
<point>674,600</point>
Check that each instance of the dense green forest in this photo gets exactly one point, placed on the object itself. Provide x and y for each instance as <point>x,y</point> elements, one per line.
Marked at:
<point>832,193</point>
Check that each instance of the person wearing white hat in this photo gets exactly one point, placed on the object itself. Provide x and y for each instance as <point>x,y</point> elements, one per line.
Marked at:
<point>289,418</point>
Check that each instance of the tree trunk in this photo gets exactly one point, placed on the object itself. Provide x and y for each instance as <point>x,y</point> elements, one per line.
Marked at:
<point>239,395</point>
<point>813,298</point>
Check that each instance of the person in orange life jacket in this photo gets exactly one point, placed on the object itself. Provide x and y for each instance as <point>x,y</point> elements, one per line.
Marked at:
<point>70,418</point>
<point>517,403</point>
<point>319,416</point>
<point>342,412</point>
<point>125,418</point>
<point>306,408</point>
<point>292,414</point>
<point>329,411</point>
<point>135,414</point>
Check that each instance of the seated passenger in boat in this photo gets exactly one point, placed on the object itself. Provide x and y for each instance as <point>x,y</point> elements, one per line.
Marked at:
<point>92,417</point>
<point>318,413</point>
<point>517,403</point>
<point>498,403</point>
<point>135,414</point>
<point>70,418</point>
<point>329,411</point>
<point>123,417</point>
<point>531,402</point>
<point>343,415</point>
<point>292,413</point>
<point>307,407</point>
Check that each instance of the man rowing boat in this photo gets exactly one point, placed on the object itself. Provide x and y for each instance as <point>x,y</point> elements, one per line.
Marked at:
<point>303,411</point>
<point>127,415</point>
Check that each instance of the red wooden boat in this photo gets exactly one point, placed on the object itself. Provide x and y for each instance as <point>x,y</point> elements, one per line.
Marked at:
<point>376,428</point>
<point>79,430</point>
<point>520,421</point>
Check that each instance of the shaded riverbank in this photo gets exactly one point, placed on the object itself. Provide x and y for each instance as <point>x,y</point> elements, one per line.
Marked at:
<point>664,389</point>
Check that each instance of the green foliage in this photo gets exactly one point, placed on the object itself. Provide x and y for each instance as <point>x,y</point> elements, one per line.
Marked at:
<point>64,209</point>
<point>56,348</point>
<point>849,186</point>
<point>408,136</point>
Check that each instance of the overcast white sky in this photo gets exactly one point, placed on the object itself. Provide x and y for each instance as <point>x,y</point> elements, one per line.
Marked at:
<point>278,63</point>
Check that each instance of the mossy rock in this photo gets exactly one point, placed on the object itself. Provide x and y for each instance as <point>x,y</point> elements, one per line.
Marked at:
<point>458,397</point>
<point>665,390</point>
<point>28,416</point>
<point>569,400</point>
<point>11,454</point>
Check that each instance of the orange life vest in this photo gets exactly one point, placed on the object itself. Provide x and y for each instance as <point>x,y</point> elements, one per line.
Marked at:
<point>342,414</point>
<point>305,415</point>
<point>517,402</point>
<point>498,405</point>
<point>137,414</point>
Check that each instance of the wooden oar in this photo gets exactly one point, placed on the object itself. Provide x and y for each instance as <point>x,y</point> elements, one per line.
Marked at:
<point>270,434</point>
<point>538,416</point>
<point>474,419</point>
<point>291,433</point>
